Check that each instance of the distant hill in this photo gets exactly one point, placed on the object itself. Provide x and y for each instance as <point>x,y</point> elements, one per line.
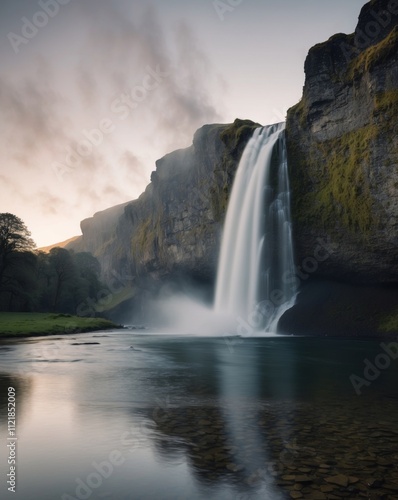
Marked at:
<point>63,244</point>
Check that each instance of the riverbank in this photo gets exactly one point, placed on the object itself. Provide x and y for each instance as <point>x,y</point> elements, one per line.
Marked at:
<point>41,324</point>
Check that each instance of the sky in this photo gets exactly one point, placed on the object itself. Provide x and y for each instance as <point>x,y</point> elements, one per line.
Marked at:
<point>93,92</point>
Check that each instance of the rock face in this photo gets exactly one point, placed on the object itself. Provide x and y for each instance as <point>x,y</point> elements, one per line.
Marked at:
<point>343,151</point>
<point>342,140</point>
<point>173,229</point>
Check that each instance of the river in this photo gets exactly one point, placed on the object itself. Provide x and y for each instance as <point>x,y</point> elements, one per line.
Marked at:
<point>127,416</point>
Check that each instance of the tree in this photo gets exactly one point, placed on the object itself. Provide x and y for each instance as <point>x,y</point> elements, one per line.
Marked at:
<point>65,277</point>
<point>89,270</point>
<point>14,237</point>
<point>17,263</point>
<point>19,285</point>
<point>59,281</point>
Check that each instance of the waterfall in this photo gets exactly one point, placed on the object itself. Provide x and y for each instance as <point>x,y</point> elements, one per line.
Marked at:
<point>256,255</point>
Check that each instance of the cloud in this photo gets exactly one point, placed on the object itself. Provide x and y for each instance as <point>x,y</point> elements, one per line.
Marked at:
<point>119,50</point>
<point>7,185</point>
<point>33,115</point>
<point>87,86</point>
<point>49,204</point>
<point>190,103</point>
<point>62,85</point>
<point>133,167</point>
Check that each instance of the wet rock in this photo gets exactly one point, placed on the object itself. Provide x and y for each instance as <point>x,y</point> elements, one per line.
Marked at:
<point>375,483</point>
<point>316,495</point>
<point>303,479</point>
<point>391,486</point>
<point>296,494</point>
<point>340,480</point>
<point>325,488</point>
<point>234,467</point>
<point>86,343</point>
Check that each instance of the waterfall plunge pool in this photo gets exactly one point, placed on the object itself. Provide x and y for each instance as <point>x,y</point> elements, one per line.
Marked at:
<point>175,417</point>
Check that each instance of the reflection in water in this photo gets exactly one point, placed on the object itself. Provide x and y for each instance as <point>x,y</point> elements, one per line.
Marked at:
<point>191,418</point>
<point>272,416</point>
<point>251,448</point>
<point>22,386</point>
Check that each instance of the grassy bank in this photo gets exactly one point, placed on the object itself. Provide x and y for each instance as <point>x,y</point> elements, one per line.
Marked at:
<point>37,324</point>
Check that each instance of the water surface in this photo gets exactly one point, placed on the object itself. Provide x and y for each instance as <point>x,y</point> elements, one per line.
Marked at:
<point>125,416</point>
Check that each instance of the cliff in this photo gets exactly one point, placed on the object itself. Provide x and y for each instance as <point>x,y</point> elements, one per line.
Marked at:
<point>343,151</point>
<point>343,161</point>
<point>173,229</point>
<point>342,141</point>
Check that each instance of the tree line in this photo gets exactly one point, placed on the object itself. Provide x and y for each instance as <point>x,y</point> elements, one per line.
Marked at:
<point>34,281</point>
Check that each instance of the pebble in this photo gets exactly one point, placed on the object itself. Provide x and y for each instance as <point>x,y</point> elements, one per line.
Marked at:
<point>340,480</point>
<point>331,452</point>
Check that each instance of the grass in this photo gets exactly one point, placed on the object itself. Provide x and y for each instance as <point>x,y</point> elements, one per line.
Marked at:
<point>374,55</point>
<point>38,324</point>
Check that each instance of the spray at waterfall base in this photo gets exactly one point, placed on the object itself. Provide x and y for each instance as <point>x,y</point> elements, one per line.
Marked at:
<point>264,311</point>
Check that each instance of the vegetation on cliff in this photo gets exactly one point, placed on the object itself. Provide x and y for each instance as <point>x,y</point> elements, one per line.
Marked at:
<point>235,138</point>
<point>341,192</point>
<point>374,55</point>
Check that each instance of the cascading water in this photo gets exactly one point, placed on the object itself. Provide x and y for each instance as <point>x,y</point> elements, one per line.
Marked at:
<point>256,256</point>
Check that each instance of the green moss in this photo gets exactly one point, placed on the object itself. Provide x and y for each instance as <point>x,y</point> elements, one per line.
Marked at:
<point>389,324</point>
<point>147,239</point>
<point>238,133</point>
<point>374,55</point>
<point>143,239</point>
<point>386,115</point>
<point>341,191</point>
<point>143,236</point>
<point>235,138</point>
<point>301,112</point>
<point>386,103</point>
<point>219,197</point>
<point>104,247</point>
